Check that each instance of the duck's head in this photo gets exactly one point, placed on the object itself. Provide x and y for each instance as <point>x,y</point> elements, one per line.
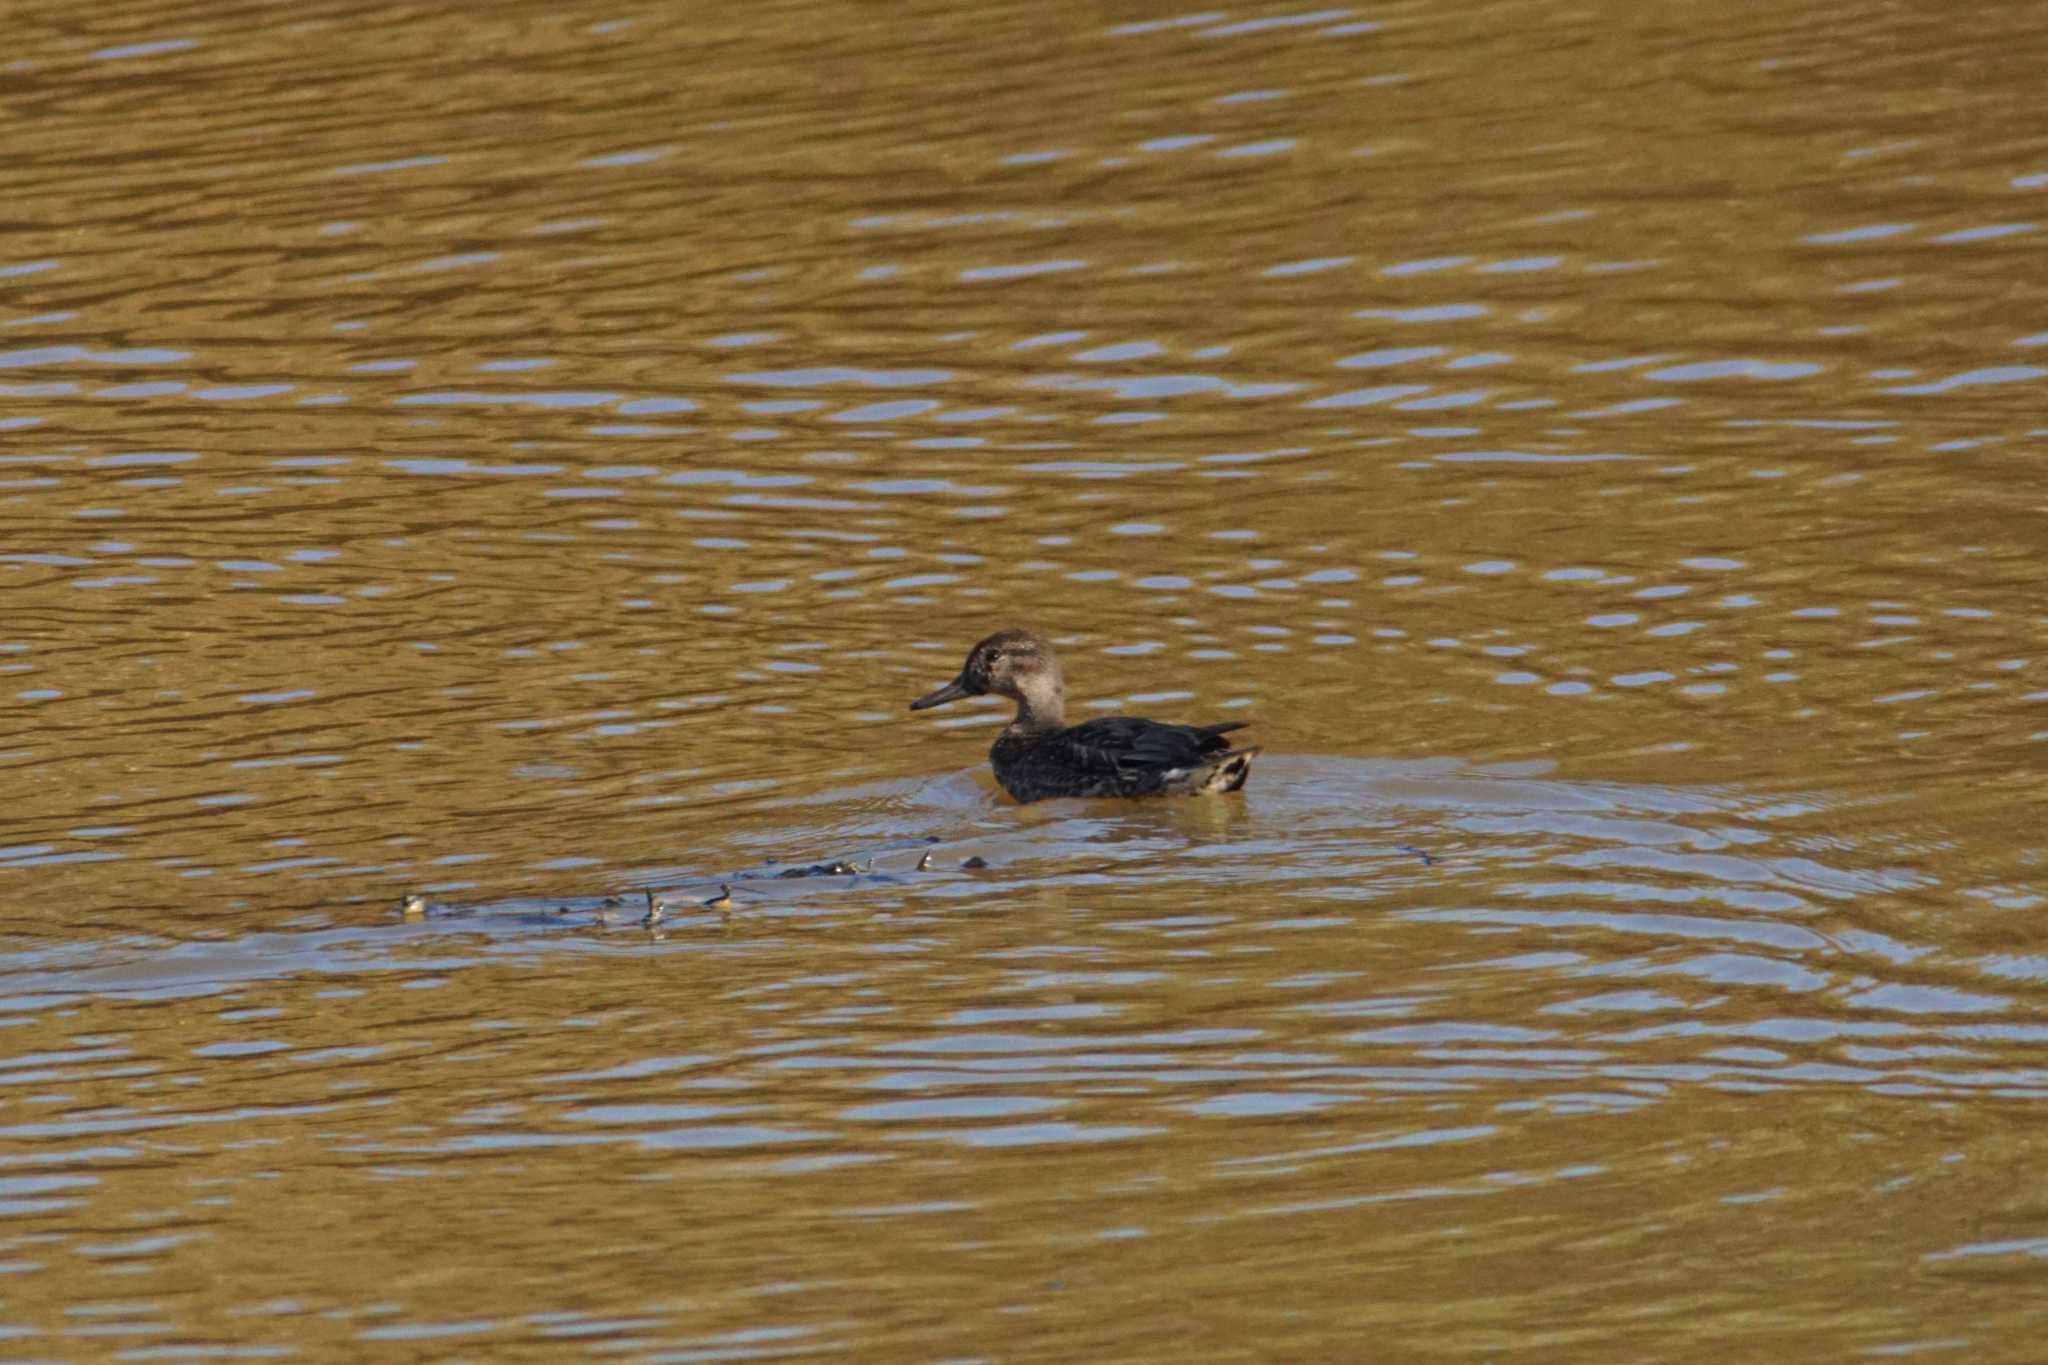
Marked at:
<point>1010,663</point>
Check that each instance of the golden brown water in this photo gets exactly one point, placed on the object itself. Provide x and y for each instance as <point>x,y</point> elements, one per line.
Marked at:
<point>535,455</point>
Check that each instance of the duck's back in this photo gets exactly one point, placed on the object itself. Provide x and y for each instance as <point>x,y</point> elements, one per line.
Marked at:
<point>1121,756</point>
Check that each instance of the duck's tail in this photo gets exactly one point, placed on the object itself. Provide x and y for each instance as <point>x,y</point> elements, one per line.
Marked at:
<point>1224,773</point>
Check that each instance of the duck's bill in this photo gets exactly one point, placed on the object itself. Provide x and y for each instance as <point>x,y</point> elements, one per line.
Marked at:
<point>952,691</point>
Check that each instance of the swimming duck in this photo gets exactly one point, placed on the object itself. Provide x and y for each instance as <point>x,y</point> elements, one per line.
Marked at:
<point>1038,755</point>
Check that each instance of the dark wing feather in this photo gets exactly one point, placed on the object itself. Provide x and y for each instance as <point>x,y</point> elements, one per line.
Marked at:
<point>1131,755</point>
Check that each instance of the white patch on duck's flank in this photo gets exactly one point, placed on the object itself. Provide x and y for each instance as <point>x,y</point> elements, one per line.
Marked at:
<point>1227,774</point>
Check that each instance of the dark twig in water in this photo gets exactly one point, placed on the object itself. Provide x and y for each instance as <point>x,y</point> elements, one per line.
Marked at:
<point>1428,860</point>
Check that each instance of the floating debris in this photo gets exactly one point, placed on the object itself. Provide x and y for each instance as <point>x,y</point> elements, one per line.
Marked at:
<point>838,869</point>
<point>605,908</point>
<point>975,864</point>
<point>1427,860</point>
<point>412,905</point>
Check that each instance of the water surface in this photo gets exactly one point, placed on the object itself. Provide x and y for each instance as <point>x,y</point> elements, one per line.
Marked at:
<point>533,458</point>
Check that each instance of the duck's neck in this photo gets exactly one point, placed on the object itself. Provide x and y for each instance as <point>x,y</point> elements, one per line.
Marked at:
<point>1041,705</point>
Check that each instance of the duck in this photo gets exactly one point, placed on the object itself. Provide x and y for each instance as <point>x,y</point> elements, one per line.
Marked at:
<point>1038,755</point>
